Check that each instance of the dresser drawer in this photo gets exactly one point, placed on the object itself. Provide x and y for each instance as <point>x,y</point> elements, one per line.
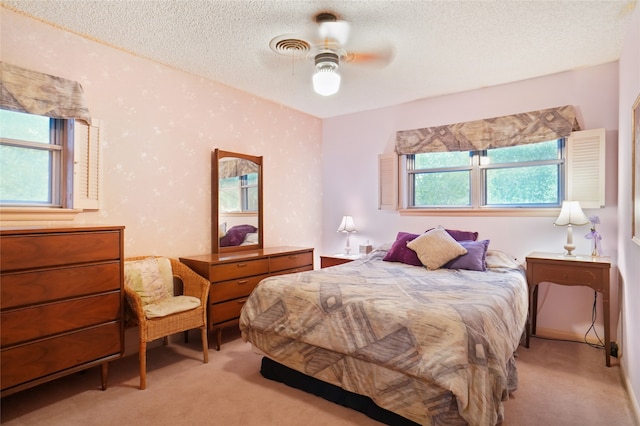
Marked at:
<point>241,269</point>
<point>233,289</point>
<point>23,288</point>
<point>36,251</point>
<point>293,271</point>
<point>290,261</point>
<point>21,325</point>
<point>221,312</point>
<point>23,363</point>
<point>560,274</point>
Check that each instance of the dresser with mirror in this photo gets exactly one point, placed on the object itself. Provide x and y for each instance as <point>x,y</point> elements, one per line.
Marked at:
<point>238,260</point>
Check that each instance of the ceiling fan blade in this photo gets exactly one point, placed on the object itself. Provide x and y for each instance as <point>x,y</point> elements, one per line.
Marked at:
<point>379,57</point>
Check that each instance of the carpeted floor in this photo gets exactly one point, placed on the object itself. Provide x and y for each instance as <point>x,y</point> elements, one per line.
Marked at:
<point>561,383</point>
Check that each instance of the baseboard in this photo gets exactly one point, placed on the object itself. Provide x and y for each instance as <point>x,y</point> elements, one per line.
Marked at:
<point>635,408</point>
<point>550,333</point>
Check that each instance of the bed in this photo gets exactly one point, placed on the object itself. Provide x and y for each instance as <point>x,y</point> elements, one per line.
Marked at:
<point>433,347</point>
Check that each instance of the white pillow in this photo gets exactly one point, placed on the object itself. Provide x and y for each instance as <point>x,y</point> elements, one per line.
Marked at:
<point>436,247</point>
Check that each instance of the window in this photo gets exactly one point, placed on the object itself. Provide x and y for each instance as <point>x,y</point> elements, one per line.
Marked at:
<point>239,193</point>
<point>32,170</point>
<point>49,163</point>
<point>530,175</point>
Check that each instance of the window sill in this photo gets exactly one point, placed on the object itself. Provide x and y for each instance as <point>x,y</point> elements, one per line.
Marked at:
<point>522,212</point>
<point>36,214</point>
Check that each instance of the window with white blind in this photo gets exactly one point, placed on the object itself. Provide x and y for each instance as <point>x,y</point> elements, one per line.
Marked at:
<point>537,175</point>
<point>48,162</point>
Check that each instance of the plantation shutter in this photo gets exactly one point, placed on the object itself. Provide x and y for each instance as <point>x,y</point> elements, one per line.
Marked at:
<point>585,166</point>
<point>87,161</point>
<point>388,181</point>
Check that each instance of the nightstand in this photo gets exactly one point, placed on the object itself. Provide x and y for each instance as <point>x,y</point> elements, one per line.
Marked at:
<point>569,270</point>
<point>337,259</point>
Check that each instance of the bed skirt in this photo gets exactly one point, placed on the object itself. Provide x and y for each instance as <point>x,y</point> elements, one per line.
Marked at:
<point>280,373</point>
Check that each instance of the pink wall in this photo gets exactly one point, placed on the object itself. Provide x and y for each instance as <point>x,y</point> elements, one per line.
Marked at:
<point>629,259</point>
<point>160,127</point>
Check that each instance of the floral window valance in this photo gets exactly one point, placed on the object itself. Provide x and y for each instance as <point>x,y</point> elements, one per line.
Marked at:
<point>497,132</point>
<point>32,92</point>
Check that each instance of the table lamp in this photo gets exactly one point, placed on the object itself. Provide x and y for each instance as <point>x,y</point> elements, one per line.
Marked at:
<point>348,226</point>
<point>571,214</point>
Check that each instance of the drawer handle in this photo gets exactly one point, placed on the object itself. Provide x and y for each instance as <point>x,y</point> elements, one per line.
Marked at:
<point>564,275</point>
<point>293,256</point>
<point>241,265</point>
<point>241,301</point>
<point>240,282</point>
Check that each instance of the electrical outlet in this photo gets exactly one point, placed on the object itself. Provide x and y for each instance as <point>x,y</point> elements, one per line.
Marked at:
<point>614,349</point>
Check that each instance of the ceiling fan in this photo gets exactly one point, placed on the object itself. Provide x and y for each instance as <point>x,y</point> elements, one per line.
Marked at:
<point>327,50</point>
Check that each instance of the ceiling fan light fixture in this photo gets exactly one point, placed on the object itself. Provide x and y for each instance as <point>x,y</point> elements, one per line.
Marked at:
<point>326,80</point>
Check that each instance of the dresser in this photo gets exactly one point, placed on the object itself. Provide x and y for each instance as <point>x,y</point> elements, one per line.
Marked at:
<point>233,275</point>
<point>61,306</point>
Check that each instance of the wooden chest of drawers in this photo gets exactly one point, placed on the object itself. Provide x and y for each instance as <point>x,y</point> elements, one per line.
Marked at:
<point>233,275</point>
<point>61,305</point>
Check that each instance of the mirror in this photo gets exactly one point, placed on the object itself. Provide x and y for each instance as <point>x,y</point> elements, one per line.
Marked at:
<point>236,201</point>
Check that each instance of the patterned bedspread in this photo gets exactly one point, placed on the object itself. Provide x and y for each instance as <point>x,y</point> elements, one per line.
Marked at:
<point>436,347</point>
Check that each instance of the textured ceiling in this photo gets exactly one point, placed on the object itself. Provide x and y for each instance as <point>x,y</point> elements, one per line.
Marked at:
<point>438,47</point>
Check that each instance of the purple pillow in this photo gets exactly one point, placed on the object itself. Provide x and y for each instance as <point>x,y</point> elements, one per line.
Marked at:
<point>399,252</point>
<point>461,235</point>
<point>235,235</point>
<point>474,260</point>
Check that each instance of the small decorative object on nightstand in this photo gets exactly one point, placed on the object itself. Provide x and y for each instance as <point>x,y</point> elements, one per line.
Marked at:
<point>337,259</point>
<point>571,271</point>
<point>594,236</point>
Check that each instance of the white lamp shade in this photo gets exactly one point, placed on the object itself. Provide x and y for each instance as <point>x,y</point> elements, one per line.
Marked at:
<point>347,225</point>
<point>571,214</point>
<point>326,82</point>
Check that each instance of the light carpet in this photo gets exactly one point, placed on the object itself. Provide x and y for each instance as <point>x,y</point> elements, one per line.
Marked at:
<point>561,383</point>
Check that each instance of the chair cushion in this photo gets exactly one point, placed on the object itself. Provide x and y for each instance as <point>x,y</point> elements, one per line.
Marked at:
<point>146,278</point>
<point>169,306</point>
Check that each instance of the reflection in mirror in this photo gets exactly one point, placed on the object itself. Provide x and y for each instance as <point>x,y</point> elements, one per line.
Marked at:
<point>236,201</point>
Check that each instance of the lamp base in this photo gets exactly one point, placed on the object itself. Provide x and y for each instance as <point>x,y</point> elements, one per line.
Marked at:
<point>569,246</point>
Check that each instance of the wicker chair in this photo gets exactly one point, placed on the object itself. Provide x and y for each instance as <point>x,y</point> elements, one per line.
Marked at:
<point>155,328</point>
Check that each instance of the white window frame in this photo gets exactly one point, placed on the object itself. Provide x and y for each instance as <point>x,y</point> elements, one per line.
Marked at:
<point>591,194</point>
<point>81,177</point>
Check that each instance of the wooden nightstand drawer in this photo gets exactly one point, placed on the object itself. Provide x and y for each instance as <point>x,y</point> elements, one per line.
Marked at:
<point>568,276</point>
<point>337,259</point>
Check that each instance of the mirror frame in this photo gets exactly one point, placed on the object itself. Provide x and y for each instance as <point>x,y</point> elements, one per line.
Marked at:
<point>216,155</point>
